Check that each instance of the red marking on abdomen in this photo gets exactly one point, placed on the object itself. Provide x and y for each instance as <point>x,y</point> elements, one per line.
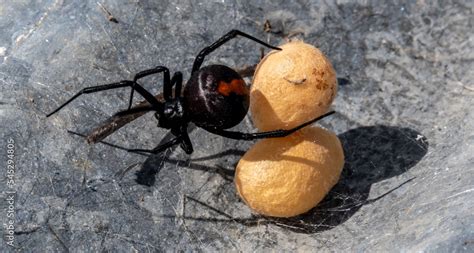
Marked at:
<point>236,86</point>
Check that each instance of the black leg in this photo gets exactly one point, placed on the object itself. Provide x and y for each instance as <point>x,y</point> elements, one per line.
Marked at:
<point>263,135</point>
<point>103,142</point>
<point>141,74</point>
<point>148,97</point>
<point>186,144</point>
<point>230,35</point>
<point>138,151</point>
<point>158,149</point>
<point>176,80</point>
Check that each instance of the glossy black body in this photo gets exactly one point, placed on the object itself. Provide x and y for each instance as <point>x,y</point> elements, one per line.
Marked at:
<point>207,106</point>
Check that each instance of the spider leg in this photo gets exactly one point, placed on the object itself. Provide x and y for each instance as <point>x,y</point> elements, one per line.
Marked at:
<point>159,148</point>
<point>230,35</point>
<point>156,70</point>
<point>182,138</point>
<point>156,150</point>
<point>263,135</point>
<point>147,95</point>
<point>177,80</point>
<point>186,144</point>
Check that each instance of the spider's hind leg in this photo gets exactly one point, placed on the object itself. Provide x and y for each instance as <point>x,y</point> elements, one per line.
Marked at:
<point>263,135</point>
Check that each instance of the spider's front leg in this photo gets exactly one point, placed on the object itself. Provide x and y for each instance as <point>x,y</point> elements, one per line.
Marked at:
<point>126,83</point>
<point>168,83</point>
<point>141,74</point>
<point>230,35</point>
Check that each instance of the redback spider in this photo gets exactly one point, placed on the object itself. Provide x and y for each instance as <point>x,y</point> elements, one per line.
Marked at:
<point>215,98</point>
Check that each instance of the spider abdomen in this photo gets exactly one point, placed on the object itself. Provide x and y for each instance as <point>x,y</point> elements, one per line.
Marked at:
<point>216,97</point>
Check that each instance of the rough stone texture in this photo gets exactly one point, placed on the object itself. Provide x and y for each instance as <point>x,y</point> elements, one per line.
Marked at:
<point>404,117</point>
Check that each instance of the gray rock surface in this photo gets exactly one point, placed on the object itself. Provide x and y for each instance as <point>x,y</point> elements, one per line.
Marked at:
<point>404,115</point>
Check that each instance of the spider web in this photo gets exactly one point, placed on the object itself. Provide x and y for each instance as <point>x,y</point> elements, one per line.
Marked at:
<point>212,198</point>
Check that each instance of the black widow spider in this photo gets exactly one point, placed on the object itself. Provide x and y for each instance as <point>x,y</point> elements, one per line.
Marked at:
<point>215,98</point>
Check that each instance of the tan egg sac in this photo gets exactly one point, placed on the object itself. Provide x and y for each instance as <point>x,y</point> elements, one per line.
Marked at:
<point>291,87</point>
<point>288,176</point>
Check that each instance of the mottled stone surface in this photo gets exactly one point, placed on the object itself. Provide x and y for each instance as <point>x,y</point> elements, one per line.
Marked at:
<point>403,114</point>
